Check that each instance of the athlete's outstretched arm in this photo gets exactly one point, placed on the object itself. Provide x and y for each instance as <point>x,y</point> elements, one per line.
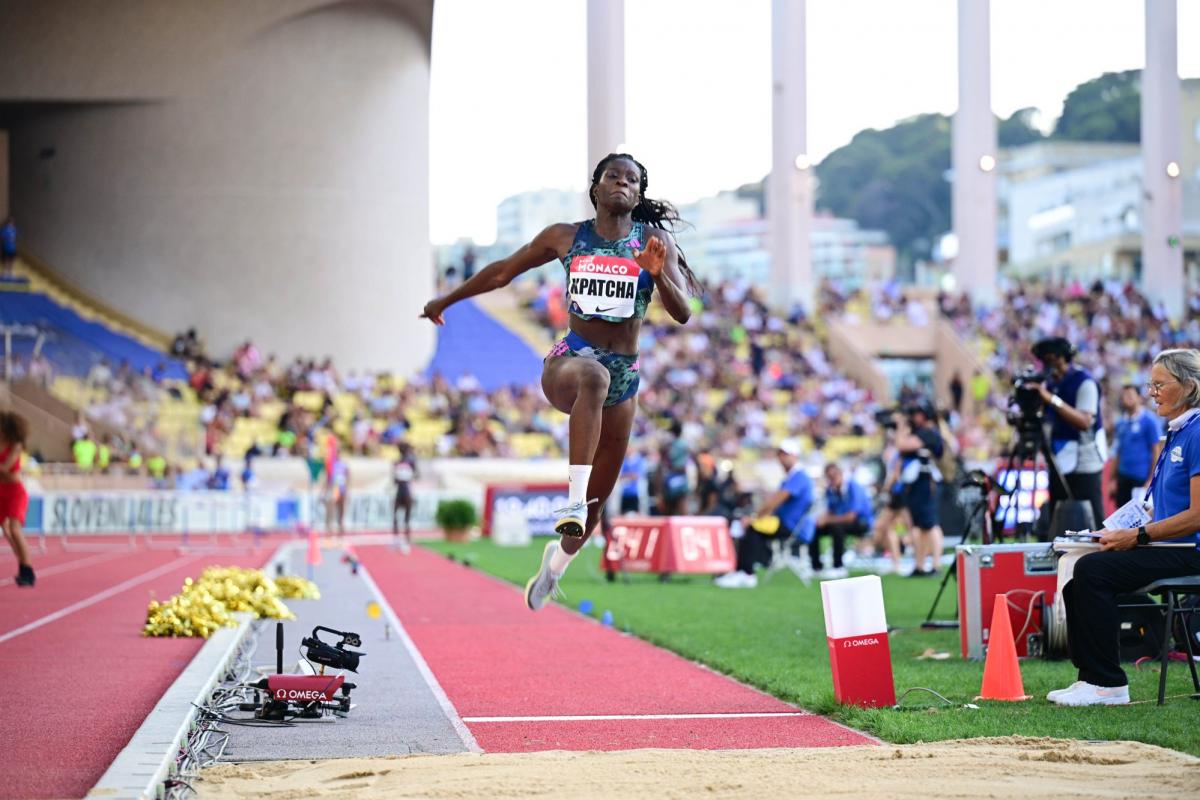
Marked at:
<point>661,259</point>
<point>548,245</point>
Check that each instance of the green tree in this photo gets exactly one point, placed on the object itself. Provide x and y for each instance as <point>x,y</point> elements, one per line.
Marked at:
<point>892,180</point>
<point>1104,109</point>
<point>895,179</point>
<point>1018,129</point>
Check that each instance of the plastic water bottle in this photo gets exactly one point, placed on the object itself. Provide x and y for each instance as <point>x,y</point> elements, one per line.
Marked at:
<point>606,617</point>
<point>585,606</point>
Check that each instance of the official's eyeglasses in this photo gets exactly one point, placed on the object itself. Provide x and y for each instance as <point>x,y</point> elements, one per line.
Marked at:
<point>1154,387</point>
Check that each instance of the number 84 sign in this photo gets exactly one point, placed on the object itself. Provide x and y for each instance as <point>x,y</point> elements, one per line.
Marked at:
<point>669,545</point>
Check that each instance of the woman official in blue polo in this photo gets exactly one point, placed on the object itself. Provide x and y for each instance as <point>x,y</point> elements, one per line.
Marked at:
<point>1126,560</point>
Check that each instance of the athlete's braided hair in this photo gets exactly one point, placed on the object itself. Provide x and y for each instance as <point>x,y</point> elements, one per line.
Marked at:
<point>658,213</point>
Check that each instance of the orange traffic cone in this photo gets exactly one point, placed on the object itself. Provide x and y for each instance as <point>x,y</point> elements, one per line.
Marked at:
<point>1001,672</point>
<point>313,558</point>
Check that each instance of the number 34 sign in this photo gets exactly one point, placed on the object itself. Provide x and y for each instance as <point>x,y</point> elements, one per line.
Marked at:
<point>669,544</point>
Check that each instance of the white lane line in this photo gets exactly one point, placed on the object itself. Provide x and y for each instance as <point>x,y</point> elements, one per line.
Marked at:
<point>435,688</point>
<point>68,566</point>
<point>605,717</point>
<point>96,598</point>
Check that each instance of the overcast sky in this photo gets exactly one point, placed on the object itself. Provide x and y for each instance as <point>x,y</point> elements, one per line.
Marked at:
<point>508,91</point>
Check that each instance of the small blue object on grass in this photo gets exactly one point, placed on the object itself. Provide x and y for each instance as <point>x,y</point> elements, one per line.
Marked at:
<point>585,606</point>
<point>606,617</point>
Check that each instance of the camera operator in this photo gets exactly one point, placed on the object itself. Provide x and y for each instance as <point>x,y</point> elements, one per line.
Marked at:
<point>920,445</point>
<point>1077,437</point>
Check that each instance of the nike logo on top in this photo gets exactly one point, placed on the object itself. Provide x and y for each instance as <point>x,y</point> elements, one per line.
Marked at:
<point>602,310</point>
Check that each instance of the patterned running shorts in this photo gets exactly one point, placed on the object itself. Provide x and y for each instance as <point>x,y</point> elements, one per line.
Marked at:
<point>622,369</point>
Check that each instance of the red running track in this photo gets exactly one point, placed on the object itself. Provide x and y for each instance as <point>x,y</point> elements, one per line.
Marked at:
<point>80,685</point>
<point>497,660</point>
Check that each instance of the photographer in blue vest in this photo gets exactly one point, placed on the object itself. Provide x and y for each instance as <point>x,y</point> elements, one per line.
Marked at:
<point>1076,426</point>
<point>1133,557</point>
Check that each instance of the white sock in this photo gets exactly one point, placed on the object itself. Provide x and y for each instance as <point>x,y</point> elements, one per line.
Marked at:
<point>577,483</point>
<point>559,560</point>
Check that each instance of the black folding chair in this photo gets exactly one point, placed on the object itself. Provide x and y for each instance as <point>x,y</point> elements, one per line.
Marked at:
<point>1172,589</point>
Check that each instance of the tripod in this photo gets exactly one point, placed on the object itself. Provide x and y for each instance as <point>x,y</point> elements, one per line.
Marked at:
<point>1028,445</point>
<point>977,509</point>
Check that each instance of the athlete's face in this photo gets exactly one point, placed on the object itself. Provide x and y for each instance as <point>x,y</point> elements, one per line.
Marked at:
<point>620,184</point>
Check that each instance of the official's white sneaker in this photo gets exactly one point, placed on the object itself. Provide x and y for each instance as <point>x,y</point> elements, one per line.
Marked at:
<point>834,573</point>
<point>1091,695</point>
<point>736,580</point>
<point>1057,693</point>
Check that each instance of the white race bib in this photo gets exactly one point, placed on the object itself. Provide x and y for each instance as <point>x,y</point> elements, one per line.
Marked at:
<point>604,285</point>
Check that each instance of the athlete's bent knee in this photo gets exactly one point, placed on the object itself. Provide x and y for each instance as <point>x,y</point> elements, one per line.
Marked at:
<point>594,382</point>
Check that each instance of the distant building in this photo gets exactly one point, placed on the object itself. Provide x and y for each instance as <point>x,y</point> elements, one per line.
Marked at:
<point>726,236</point>
<point>1070,208</point>
<point>730,239</point>
<point>1189,162</point>
<point>521,217</point>
<point>1074,208</point>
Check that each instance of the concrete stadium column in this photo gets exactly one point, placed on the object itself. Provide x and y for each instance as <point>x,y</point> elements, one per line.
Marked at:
<point>3,174</point>
<point>973,157</point>
<point>279,193</point>
<point>605,78</point>
<point>789,203</point>
<point>1162,188</point>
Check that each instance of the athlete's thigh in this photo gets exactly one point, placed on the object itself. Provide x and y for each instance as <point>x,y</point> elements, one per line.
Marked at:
<point>616,423</point>
<point>561,377</point>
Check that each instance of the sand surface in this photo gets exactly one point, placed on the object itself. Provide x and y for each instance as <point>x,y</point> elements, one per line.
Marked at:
<point>1010,767</point>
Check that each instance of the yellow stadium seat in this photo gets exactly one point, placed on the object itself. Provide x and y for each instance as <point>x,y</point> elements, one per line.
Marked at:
<point>531,445</point>
<point>716,398</point>
<point>309,401</point>
<point>346,404</point>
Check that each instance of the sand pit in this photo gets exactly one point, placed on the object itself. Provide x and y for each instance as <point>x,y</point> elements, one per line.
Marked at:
<point>1020,768</point>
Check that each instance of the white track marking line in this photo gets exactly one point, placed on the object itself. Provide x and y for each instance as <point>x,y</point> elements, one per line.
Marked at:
<point>606,717</point>
<point>435,688</point>
<point>67,566</point>
<point>96,598</point>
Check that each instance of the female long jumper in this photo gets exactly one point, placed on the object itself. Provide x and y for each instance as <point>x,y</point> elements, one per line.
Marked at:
<point>613,264</point>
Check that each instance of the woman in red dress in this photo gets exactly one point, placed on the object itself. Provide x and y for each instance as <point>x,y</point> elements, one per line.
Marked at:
<point>14,430</point>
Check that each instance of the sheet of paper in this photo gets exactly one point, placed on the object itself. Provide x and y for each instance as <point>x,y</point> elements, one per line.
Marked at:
<point>1081,536</point>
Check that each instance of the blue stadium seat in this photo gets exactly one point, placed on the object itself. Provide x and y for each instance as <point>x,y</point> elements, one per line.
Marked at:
<point>73,344</point>
<point>473,342</point>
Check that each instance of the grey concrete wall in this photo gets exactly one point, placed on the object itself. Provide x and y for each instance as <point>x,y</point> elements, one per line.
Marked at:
<point>263,174</point>
<point>3,174</point>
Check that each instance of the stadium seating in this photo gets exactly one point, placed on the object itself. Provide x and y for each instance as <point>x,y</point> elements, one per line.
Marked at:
<point>472,342</point>
<point>73,344</point>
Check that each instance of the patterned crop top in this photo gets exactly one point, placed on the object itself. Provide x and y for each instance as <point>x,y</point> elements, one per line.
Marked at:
<point>603,280</point>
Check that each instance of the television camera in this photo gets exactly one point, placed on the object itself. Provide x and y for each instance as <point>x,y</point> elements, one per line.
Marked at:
<point>283,696</point>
